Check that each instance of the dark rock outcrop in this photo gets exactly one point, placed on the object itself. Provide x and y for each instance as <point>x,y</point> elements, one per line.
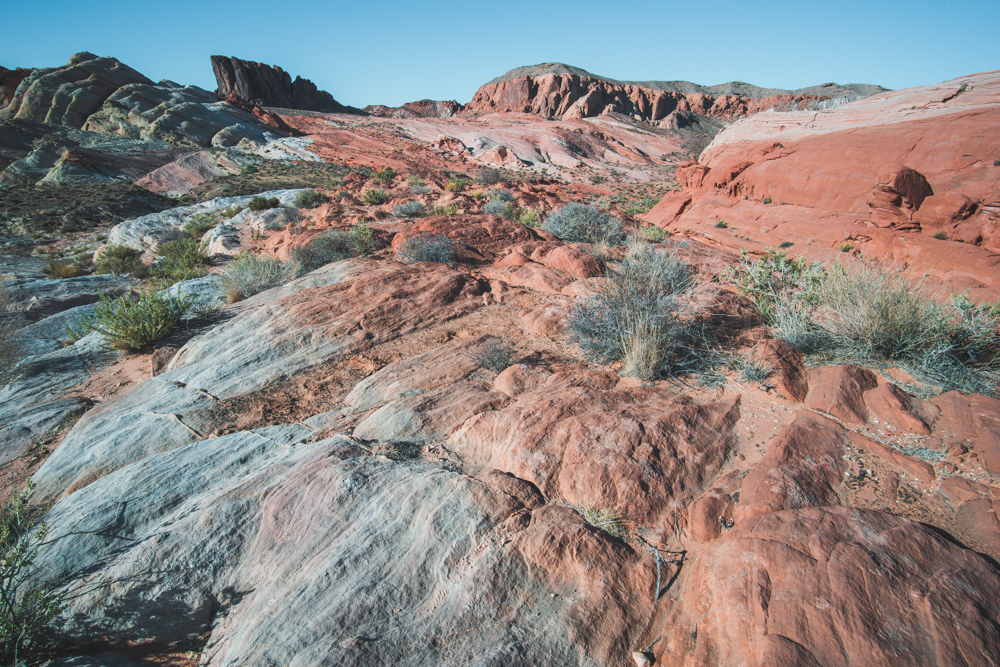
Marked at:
<point>10,79</point>
<point>270,86</point>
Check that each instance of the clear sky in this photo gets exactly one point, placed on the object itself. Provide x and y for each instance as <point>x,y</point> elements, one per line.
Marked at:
<point>392,52</point>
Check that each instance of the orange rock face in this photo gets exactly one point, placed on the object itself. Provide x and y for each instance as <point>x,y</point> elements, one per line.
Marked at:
<point>573,96</point>
<point>883,175</point>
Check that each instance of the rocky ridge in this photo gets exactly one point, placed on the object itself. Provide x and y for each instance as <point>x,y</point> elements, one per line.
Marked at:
<point>270,86</point>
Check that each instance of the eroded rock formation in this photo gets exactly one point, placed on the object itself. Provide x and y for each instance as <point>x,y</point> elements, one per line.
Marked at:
<point>270,86</point>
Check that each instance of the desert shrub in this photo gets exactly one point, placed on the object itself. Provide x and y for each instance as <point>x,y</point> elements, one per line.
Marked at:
<point>785,244</point>
<point>181,259</point>
<point>250,274</point>
<point>263,203</point>
<point>579,222</point>
<point>231,211</point>
<point>505,209</point>
<point>335,246</point>
<point>846,247</point>
<point>377,196</point>
<point>427,248</point>
<point>199,224</point>
<point>331,183</point>
<point>26,607</point>
<point>531,217</point>
<point>451,209</point>
<point>776,282</point>
<point>184,200</point>
<point>456,184</point>
<point>766,200</point>
<point>654,233</point>
<point>57,270</point>
<point>607,519</point>
<point>420,189</point>
<point>129,323</point>
<point>493,355</point>
<point>415,181</point>
<point>941,236</point>
<point>118,259</point>
<point>721,224</point>
<point>642,317</point>
<point>503,195</point>
<point>311,199</point>
<point>385,176</point>
<point>410,209</point>
<point>489,176</point>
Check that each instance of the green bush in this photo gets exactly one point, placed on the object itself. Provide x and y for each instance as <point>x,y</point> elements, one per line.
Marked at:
<point>721,224</point>
<point>311,199</point>
<point>873,315</point>
<point>427,248</point>
<point>456,184</point>
<point>27,607</point>
<point>181,259</point>
<point>263,203</point>
<point>58,270</point>
<point>505,209</point>
<point>641,317</point>
<point>531,217</point>
<point>493,355</point>
<point>410,209</point>
<point>776,282</point>
<point>129,323</point>
<point>231,211</point>
<point>654,233</point>
<point>385,176</point>
<point>376,197</point>
<point>579,222</point>
<point>489,176</point>
<point>451,209</point>
<point>335,246</point>
<point>941,236</point>
<point>250,274</point>
<point>118,259</point>
<point>199,224</point>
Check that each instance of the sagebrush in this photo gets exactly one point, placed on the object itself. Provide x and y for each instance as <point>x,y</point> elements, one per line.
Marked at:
<point>584,223</point>
<point>427,248</point>
<point>251,274</point>
<point>131,323</point>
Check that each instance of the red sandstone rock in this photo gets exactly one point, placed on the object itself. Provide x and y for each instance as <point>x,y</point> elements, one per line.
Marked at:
<point>839,391</point>
<point>833,586</point>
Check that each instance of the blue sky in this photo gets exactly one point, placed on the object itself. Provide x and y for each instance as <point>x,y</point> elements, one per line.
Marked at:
<point>392,52</point>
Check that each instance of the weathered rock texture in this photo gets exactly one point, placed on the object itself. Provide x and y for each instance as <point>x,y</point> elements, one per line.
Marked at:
<point>568,92</point>
<point>884,174</point>
<point>270,86</point>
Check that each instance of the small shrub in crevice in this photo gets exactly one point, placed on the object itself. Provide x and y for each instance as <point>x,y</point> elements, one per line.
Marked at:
<point>493,355</point>
<point>198,224</point>
<point>385,176</point>
<point>231,211</point>
<point>489,176</point>
<point>131,323</point>
<point>505,209</point>
<point>654,233</point>
<point>311,199</point>
<point>410,209</point>
<point>427,248</point>
<point>181,259</point>
<point>335,246</point>
<point>456,185</point>
<point>376,196</point>
<point>941,236</point>
<point>118,259</point>
<point>643,317</point>
<point>451,209</point>
<point>250,274</point>
<point>59,270</point>
<point>607,519</point>
<point>582,223</point>
<point>27,606</point>
<point>531,217</point>
<point>263,203</point>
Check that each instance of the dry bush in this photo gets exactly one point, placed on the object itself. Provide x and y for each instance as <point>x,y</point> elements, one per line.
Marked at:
<point>250,274</point>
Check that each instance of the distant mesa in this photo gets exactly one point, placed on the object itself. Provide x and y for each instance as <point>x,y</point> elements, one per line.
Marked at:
<point>270,86</point>
<point>563,91</point>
